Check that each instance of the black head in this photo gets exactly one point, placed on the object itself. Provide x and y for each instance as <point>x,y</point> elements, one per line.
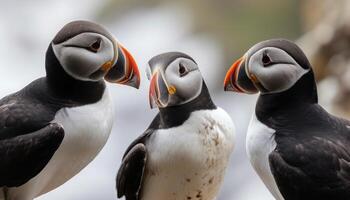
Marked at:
<point>274,68</point>
<point>86,51</point>
<point>175,79</point>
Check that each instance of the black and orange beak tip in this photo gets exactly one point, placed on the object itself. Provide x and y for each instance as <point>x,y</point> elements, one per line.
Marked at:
<point>134,76</point>
<point>130,76</point>
<point>230,78</point>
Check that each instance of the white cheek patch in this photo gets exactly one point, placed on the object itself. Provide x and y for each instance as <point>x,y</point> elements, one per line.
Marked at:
<point>277,77</point>
<point>188,87</point>
<point>79,62</point>
<point>73,61</point>
<point>280,77</point>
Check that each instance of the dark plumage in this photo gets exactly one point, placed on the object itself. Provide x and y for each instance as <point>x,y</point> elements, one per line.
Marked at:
<point>310,154</point>
<point>312,158</point>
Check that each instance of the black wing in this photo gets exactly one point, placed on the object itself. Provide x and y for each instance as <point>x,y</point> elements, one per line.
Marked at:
<point>130,174</point>
<point>313,168</point>
<point>20,114</point>
<point>27,139</point>
<point>22,157</point>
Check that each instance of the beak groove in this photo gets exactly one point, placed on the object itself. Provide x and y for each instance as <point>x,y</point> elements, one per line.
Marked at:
<point>153,91</point>
<point>159,91</point>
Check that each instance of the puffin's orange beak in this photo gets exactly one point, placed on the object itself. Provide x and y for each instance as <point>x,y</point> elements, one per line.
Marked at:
<point>132,77</point>
<point>159,91</point>
<point>125,70</point>
<point>153,91</point>
<point>237,78</point>
<point>231,77</point>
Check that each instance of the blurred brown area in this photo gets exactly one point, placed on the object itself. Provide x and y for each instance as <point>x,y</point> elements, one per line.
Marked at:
<point>320,27</point>
<point>327,44</point>
<point>236,25</point>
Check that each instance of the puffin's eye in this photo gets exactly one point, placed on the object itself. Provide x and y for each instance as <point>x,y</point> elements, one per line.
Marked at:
<point>182,70</point>
<point>266,60</point>
<point>94,47</point>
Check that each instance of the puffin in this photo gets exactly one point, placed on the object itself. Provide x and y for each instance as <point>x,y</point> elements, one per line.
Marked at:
<point>53,127</point>
<point>184,152</point>
<point>299,150</point>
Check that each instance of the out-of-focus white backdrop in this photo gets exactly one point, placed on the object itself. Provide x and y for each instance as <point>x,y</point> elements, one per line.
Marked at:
<point>26,29</point>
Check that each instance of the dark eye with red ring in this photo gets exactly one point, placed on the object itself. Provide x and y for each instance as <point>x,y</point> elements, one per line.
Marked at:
<point>266,60</point>
<point>94,47</point>
<point>182,70</point>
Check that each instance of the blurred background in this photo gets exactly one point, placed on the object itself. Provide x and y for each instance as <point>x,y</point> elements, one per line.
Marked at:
<point>214,33</point>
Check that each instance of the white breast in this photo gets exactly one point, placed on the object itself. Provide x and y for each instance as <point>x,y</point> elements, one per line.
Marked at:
<point>189,161</point>
<point>87,129</point>
<point>260,143</point>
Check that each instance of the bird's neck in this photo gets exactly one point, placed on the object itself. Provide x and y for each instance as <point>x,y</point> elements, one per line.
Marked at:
<point>289,103</point>
<point>177,115</point>
<point>68,88</point>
